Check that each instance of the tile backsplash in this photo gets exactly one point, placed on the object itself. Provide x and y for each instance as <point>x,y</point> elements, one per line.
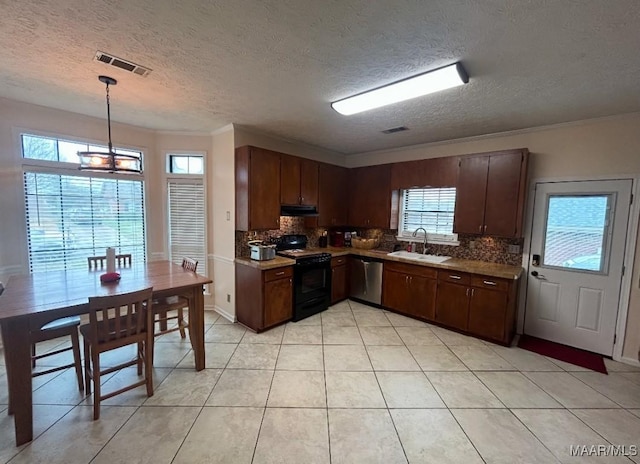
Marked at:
<point>479,248</point>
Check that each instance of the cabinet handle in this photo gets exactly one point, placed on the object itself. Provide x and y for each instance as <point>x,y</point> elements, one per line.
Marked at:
<point>485,228</point>
<point>455,277</point>
<point>467,292</point>
<point>473,291</point>
<point>406,280</point>
<point>280,273</point>
<point>488,282</point>
<point>480,228</point>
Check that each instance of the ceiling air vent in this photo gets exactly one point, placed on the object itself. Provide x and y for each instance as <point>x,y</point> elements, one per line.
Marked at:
<point>122,64</point>
<point>393,130</point>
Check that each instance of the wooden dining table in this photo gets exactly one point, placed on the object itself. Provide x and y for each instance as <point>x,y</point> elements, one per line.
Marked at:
<point>30,301</point>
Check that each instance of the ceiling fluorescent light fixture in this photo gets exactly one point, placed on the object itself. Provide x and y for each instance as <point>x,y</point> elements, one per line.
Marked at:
<point>110,161</point>
<point>412,87</point>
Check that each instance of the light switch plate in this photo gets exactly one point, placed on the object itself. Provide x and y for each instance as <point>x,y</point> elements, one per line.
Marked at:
<point>515,249</point>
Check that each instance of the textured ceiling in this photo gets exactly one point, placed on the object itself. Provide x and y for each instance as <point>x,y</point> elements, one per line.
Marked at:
<point>275,66</point>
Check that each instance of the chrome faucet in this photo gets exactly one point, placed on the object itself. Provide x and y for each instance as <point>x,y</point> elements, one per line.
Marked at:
<point>424,245</point>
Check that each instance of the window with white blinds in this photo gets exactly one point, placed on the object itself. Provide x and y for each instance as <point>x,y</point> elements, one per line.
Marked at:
<point>187,221</point>
<point>71,217</point>
<point>430,208</point>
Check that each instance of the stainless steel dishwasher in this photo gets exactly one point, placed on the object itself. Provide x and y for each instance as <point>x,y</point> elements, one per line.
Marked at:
<point>366,279</point>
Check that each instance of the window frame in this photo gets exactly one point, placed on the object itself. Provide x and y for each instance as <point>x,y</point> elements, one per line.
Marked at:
<point>62,168</point>
<point>169,176</point>
<point>431,238</point>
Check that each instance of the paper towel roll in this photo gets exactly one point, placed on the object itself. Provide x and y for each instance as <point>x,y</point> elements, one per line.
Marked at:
<point>111,259</point>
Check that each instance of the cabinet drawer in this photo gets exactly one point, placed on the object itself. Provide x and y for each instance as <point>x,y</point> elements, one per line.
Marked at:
<point>490,283</point>
<point>455,277</point>
<point>278,273</point>
<point>338,261</point>
<point>422,271</point>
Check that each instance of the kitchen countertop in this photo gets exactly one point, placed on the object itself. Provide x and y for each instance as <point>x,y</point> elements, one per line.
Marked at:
<point>503,271</point>
<point>278,261</point>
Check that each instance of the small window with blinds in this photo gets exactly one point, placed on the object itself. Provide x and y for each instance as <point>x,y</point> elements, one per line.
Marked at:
<point>71,217</point>
<point>187,221</point>
<point>431,209</point>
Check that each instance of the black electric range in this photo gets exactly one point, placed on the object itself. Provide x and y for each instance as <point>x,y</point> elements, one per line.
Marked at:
<point>311,275</point>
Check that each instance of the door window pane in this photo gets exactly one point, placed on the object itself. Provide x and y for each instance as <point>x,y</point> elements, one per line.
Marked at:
<point>576,231</point>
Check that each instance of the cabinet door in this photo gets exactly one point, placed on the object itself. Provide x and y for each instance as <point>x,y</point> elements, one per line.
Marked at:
<point>308,182</point>
<point>503,185</point>
<point>289,180</point>
<point>370,198</point>
<point>332,195</point>
<point>264,187</point>
<point>470,195</point>
<point>395,288</point>
<point>487,313</point>
<point>339,290</point>
<point>452,305</point>
<point>278,301</point>
<point>422,297</point>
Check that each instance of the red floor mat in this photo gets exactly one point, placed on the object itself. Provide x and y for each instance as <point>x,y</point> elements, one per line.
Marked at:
<point>565,353</point>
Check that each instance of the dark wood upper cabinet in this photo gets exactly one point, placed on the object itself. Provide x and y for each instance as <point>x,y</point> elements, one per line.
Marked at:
<point>490,193</point>
<point>433,172</point>
<point>470,195</point>
<point>332,195</point>
<point>370,197</point>
<point>298,181</point>
<point>506,190</point>
<point>257,176</point>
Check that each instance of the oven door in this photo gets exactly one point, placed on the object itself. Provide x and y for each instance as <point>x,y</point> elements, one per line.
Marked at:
<point>312,281</point>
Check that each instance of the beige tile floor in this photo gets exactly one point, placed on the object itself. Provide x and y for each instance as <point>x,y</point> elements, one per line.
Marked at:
<point>351,385</point>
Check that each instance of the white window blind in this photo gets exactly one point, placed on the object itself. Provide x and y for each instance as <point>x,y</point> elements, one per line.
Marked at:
<point>71,217</point>
<point>430,208</point>
<point>187,222</point>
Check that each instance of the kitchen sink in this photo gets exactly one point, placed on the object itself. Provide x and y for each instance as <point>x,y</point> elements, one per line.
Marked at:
<point>419,256</point>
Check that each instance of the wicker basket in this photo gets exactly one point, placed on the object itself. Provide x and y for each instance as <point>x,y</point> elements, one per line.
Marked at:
<point>364,243</point>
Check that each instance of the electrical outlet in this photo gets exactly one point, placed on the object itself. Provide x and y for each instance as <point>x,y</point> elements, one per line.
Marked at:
<point>228,298</point>
<point>472,244</point>
<point>228,215</point>
<point>515,249</point>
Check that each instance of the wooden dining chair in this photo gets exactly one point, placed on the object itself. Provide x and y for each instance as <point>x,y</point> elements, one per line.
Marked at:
<point>63,327</point>
<point>162,307</point>
<point>100,262</point>
<point>116,321</point>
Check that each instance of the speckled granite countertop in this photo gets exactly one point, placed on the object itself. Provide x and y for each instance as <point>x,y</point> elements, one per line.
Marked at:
<point>503,271</point>
<point>278,261</point>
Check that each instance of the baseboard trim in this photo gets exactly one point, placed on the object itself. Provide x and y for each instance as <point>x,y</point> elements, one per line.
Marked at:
<point>630,361</point>
<point>225,314</point>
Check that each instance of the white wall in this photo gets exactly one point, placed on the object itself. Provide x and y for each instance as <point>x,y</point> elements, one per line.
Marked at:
<point>222,220</point>
<point>586,149</point>
<point>244,136</point>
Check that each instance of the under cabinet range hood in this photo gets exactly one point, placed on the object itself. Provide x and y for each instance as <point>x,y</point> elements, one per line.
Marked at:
<point>298,210</point>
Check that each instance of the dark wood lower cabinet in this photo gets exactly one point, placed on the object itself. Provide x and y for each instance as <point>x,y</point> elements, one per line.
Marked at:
<point>263,298</point>
<point>339,279</point>
<point>278,297</point>
<point>409,289</point>
<point>478,305</point>
<point>452,305</point>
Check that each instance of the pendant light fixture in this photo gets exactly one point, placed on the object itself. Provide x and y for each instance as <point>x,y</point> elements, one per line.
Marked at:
<point>110,161</point>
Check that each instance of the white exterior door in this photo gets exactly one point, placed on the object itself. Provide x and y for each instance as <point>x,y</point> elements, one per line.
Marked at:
<point>578,241</point>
